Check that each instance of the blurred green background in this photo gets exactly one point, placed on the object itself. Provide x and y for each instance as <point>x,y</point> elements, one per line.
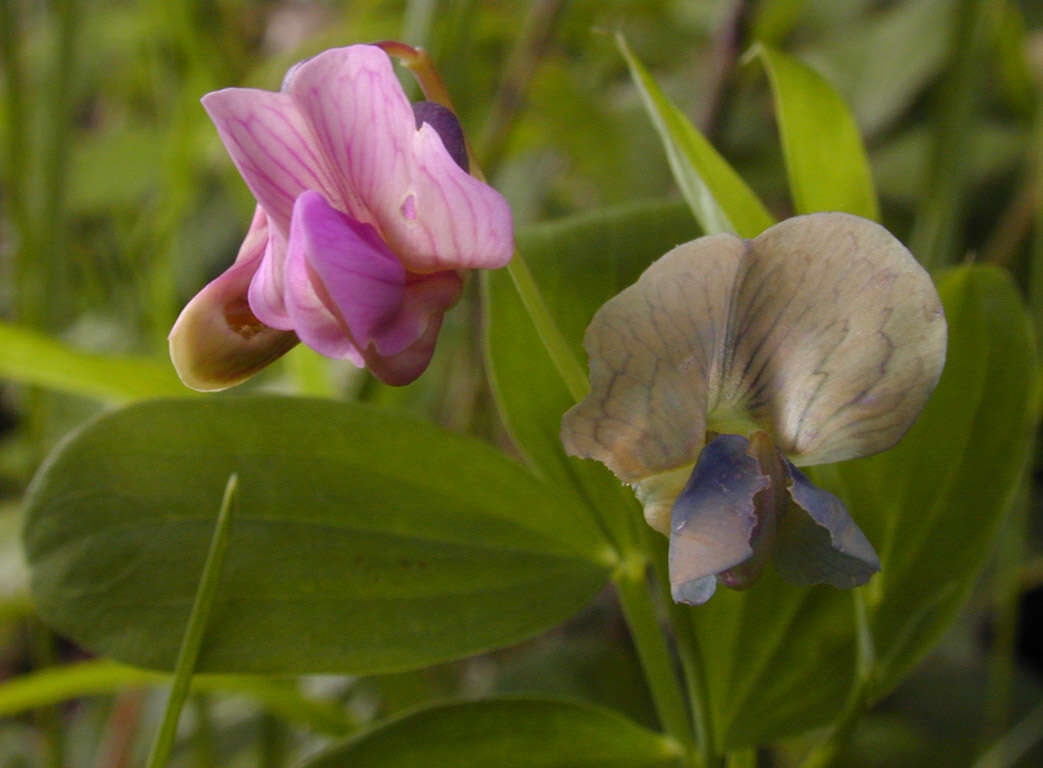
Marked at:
<point>118,202</point>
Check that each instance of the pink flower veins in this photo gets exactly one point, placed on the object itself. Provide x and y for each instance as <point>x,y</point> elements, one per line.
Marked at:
<point>364,226</point>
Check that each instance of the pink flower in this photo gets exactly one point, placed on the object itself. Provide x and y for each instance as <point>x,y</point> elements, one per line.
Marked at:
<point>364,229</point>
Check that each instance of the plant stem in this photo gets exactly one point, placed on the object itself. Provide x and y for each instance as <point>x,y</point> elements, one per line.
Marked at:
<point>682,619</point>
<point>518,73</point>
<point>50,229</point>
<point>553,340</point>
<point>193,639</point>
<point>865,664</point>
<point>936,236</point>
<point>17,148</point>
<point>1036,245</point>
<point>1007,588</point>
<point>1015,743</point>
<point>635,599</point>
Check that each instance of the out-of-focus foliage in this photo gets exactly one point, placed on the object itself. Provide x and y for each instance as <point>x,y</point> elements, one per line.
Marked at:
<point>117,202</point>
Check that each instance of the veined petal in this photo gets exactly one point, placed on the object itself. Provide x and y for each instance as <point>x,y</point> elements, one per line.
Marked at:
<point>217,341</point>
<point>456,221</point>
<point>818,542</point>
<point>348,266</point>
<point>838,337</point>
<point>433,215</point>
<point>404,367</point>
<point>714,518</point>
<point>654,353</point>
<point>824,331</point>
<point>362,121</point>
<point>267,292</point>
<point>403,349</point>
<point>425,296</point>
<point>313,321</point>
<point>272,146</point>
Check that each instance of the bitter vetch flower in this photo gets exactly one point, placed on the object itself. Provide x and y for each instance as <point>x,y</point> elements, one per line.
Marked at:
<point>732,361</point>
<point>366,223</point>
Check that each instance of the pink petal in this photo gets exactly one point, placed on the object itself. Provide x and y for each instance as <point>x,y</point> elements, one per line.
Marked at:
<point>459,222</point>
<point>433,215</point>
<point>267,288</point>
<point>362,120</point>
<point>425,296</point>
<point>405,367</point>
<point>217,341</point>
<point>272,146</point>
<point>256,239</point>
<point>427,299</point>
<point>315,324</point>
<point>347,265</point>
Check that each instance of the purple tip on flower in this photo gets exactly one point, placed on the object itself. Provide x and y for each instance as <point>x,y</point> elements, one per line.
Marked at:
<point>446,126</point>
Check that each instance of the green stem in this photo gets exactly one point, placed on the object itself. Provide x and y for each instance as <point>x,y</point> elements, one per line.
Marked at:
<point>1015,743</point>
<point>1036,245</point>
<point>50,229</point>
<point>936,234</point>
<point>565,362</point>
<point>193,639</point>
<point>682,620</point>
<point>865,664</point>
<point>634,597</point>
<point>518,72</point>
<point>17,148</point>
<point>1007,585</point>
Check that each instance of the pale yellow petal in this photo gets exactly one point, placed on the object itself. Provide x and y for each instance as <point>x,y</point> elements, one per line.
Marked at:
<point>837,338</point>
<point>654,353</point>
<point>217,342</point>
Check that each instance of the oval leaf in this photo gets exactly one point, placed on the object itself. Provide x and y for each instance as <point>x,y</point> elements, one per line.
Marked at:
<point>366,540</point>
<point>825,160</point>
<point>507,733</point>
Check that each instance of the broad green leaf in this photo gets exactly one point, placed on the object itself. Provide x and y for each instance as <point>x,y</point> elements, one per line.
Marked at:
<point>30,357</point>
<point>780,659</point>
<point>579,263</point>
<point>55,685</point>
<point>366,540</point>
<point>825,160</point>
<point>717,195</point>
<point>507,733</point>
<point>933,504</point>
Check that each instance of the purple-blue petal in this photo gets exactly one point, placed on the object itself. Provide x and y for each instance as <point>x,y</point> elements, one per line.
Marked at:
<point>714,518</point>
<point>446,125</point>
<point>819,542</point>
